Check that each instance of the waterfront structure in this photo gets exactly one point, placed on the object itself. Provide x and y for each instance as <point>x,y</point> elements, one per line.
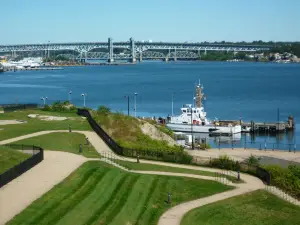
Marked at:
<point>136,49</point>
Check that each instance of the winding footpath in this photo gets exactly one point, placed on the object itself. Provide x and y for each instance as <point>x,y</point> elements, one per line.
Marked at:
<point>56,166</point>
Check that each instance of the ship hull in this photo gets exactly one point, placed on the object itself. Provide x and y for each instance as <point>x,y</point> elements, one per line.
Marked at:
<point>205,129</point>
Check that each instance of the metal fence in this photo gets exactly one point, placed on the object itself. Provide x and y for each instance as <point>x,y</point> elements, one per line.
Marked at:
<point>13,107</point>
<point>14,172</point>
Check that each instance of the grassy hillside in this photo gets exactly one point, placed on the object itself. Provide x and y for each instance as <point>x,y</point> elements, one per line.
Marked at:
<point>10,157</point>
<point>67,142</point>
<point>255,208</point>
<point>35,125</point>
<point>126,131</point>
<point>98,193</point>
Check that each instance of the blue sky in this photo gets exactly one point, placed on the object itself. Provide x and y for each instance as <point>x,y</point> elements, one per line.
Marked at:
<point>40,21</point>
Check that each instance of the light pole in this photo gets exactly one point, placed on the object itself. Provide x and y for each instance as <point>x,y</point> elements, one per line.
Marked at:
<point>48,49</point>
<point>44,99</point>
<point>172,103</point>
<point>135,94</point>
<point>127,96</point>
<point>192,128</point>
<point>70,96</point>
<point>83,95</point>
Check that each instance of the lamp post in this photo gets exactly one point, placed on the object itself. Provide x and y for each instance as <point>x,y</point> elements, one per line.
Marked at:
<point>44,99</point>
<point>70,96</point>
<point>48,49</point>
<point>83,95</point>
<point>127,96</point>
<point>172,103</point>
<point>135,94</point>
<point>192,128</point>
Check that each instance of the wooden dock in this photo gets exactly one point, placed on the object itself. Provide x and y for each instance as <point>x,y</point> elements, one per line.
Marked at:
<point>272,127</point>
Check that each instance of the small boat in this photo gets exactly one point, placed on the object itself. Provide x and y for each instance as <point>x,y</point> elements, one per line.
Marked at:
<point>193,119</point>
<point>246,129</point>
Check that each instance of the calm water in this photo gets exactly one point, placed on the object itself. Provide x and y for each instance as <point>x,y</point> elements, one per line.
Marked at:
<point>252,91</point>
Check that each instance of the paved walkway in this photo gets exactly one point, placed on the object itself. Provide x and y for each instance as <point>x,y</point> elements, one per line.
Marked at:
<point>241,154</point>
<point>58,165</point>
<point>22,191</point>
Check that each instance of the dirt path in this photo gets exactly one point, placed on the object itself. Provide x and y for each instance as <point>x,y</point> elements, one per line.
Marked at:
<point>22,191</point>
<point>58,165</point>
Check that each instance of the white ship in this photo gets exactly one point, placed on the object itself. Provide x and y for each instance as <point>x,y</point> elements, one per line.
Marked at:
<point>193,119</point>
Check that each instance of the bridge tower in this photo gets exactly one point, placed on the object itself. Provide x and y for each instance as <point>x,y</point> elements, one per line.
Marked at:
<point>132,48</point>
<point>111,50</point>
<point>141,55</point>
<point>175,55</point>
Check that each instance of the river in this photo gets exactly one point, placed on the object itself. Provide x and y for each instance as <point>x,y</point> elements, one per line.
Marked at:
<point>252,91</point>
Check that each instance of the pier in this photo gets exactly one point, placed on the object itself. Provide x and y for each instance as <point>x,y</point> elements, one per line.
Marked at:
<point>273,127</point>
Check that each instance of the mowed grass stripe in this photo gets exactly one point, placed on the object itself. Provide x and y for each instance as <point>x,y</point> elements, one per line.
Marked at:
<point>98,197</point>
<point>104,206</point>
<point>137,201</point>
<point>121,199</point>
<point>43,206</point>
<point>154,206</point>
<point>68,204</point>
<point>152,190</point>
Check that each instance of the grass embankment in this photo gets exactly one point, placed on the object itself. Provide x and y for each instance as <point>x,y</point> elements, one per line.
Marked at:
<point>36,125</point>
<point>255,208</point>
<point>10,157</point>
<point>98,193</point>
<point>126,131</point>
<point>153,167</point>
<point>67,142</point>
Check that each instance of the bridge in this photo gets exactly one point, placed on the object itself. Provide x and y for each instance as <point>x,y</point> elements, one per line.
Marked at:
<point>133,50</point>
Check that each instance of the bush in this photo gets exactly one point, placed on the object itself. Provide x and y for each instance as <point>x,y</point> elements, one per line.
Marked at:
<point>46,108</point>
<point>252,161</point>
<point>285,178</point>
<point>224,162</point>
<point>204,146</point>
<point>103,109</point>
<point>60,107</point>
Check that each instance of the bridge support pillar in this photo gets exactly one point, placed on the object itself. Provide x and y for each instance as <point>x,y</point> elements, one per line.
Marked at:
<point>132,48</point>
<point>166,59</point>
<point>141,56</point>
<point>175,55</point>
<point>205,52</point>
<point>110,50</point>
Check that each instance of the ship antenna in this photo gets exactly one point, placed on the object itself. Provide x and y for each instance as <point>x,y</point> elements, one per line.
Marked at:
<point>172,102</point>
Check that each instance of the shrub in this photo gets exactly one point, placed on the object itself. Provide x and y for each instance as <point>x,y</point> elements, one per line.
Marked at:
<point>204,146</point>
<point>46,108</point>
<point>285,178</point>
<point>224,162</point>
<point>252,161</point>
<point>103,109</point>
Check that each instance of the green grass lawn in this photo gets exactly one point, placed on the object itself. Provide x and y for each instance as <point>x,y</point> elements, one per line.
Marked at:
<point>152,167</point>
<point>35,125</point>
<point>97,193</point>
<point>67,142</point>
<point>256,208</point>
<point>10,157</point>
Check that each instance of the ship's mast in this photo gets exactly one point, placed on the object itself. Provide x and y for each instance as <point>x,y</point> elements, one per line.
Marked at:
<point>199,95</point>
